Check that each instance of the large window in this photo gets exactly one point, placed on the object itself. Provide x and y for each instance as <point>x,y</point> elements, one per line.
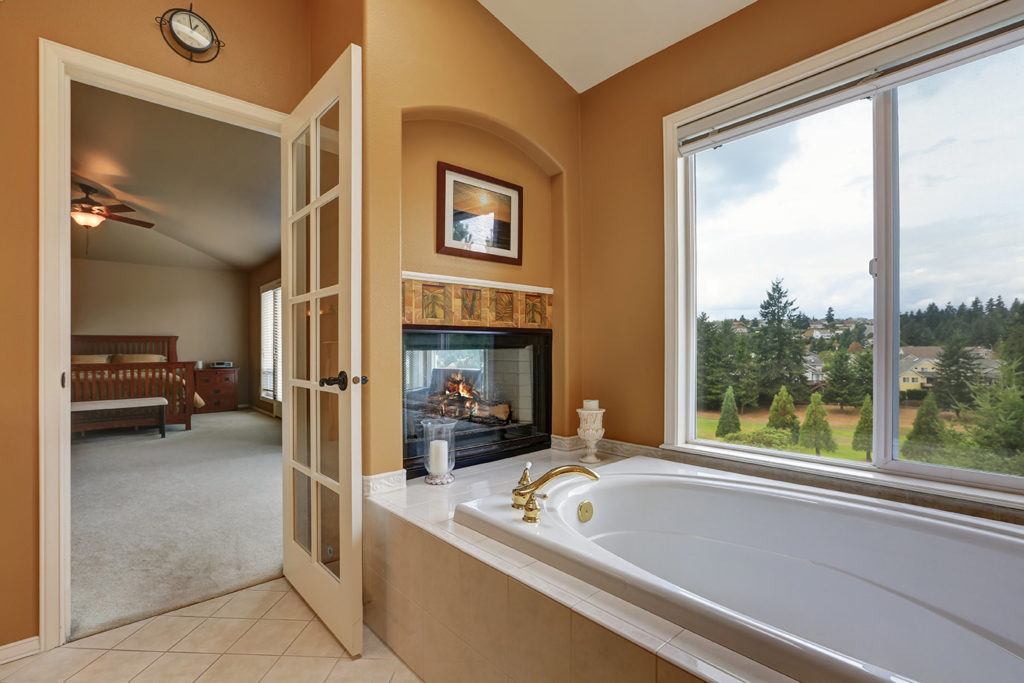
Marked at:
<point>850,270</point>
<point>271,371</point>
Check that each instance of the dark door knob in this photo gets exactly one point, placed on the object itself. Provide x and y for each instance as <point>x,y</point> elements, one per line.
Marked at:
<point>341,381</point>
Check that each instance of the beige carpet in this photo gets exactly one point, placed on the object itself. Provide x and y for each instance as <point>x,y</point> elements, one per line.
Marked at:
<point>157,524</point>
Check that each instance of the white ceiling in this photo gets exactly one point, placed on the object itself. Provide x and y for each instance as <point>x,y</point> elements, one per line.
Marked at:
<point>587,41</point>
<point>212,189</point>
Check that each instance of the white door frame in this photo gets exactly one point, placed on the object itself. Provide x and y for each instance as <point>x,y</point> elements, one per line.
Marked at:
<point>58,66</point>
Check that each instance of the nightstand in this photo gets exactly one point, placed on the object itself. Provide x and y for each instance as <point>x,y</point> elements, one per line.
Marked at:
<point>219,388</point>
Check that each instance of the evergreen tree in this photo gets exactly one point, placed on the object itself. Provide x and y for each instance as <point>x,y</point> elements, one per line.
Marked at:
<point>778,343</point>
<point>729,419</point>
<point>864,374</point>
<point>830,320</point>
<point>840,379</point>
<point>863,431</point>
<point>744,375</point>
<point>956,374</point>
<point>998,420</point>
<point>782,414</point>
<point>928,433</point>
<point>816,432</point>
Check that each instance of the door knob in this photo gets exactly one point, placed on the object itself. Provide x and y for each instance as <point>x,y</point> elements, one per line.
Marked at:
<point>341,381</point>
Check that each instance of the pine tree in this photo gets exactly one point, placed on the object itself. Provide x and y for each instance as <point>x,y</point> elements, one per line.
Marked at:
<point>862,433</point>
<point>840,379</point>
<point>782,414</point>
<point>816,432</point>
<point>864,372</point>
<point>778,344</point>
<point>830,320</point>
<point>928,433</point>
<point>744,376</point>
<point>998,420</point>
<point>729,419</point>
<point>956,374</point>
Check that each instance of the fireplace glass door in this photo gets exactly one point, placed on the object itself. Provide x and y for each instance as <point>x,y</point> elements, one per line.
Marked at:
<point>496,384</point>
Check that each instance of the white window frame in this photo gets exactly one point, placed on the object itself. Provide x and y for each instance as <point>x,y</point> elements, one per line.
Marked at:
<point>278,370</point>
<point>855,64</point>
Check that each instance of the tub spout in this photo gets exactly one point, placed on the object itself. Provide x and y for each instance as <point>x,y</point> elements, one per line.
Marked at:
<point>526,492</point>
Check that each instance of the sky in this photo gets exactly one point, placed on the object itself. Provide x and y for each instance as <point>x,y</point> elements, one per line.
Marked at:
<point>796,201</point>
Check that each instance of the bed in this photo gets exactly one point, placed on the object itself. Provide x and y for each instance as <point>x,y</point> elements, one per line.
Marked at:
<point>113,367</point>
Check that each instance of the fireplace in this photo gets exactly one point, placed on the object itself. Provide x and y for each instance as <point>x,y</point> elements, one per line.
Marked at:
<point>495,382</point>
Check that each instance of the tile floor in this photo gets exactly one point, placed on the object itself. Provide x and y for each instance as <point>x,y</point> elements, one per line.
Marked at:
<point>264,633</point>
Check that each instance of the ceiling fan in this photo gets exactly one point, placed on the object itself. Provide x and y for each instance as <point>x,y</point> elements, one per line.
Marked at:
<point>89,213</point>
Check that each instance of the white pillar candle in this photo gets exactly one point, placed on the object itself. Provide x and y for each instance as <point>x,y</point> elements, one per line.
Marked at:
<point>437,457</point>
<point>591,404</point>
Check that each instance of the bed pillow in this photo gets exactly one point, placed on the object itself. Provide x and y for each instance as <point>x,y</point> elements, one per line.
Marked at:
<point>82,358</point>
<point>138,358</point>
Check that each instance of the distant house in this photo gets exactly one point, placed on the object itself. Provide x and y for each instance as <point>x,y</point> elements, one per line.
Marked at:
<point>740,327</point>
<point>914,375</point>
<point>814,368</point>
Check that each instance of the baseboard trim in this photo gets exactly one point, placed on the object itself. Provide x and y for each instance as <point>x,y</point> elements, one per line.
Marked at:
<point>624,449</point>
<point>384,482</point>
<point>566,443</point>
<point>19,649</point>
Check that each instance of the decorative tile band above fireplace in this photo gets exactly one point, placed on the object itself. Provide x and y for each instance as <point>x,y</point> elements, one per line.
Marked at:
<point>478,352</point>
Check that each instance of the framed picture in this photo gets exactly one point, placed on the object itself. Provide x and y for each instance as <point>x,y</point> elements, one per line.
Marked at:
<point>478,216</point>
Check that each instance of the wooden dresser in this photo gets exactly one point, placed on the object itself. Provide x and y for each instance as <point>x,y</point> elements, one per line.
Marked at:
<point>219,388</point>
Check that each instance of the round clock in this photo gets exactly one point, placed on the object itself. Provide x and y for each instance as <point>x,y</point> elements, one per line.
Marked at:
<point>189,35</point>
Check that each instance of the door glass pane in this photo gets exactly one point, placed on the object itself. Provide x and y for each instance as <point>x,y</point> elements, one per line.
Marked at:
<point>300,170</point>
<point>784,303</point>
<point>328,225</point>
<point>301,530</point>
<point>301,426</point>
<point>961,266</point>
<point>300,339</point>
<point>330,444</point>
<point>328,307</point>
<point>330,538</point>
<point>302,256</point>
<point>329,149</point>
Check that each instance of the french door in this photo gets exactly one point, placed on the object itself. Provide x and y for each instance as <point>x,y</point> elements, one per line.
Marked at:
<point>321,225</point>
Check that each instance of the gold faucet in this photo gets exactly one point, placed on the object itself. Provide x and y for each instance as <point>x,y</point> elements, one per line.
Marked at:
<point>524,496</point>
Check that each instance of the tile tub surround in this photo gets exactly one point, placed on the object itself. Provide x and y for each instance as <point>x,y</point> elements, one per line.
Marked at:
<point>456,605</point>
<point>264,633</point>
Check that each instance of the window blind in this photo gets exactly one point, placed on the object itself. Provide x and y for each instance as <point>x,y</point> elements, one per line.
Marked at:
<point>270,344</point>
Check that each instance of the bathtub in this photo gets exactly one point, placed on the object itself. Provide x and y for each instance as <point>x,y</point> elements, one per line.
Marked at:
<point>820,586</point>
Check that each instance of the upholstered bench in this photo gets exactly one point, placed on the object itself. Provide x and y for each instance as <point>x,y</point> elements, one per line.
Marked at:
<point>157,403</point>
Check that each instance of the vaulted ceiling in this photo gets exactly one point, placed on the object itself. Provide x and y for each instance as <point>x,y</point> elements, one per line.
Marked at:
<point>587,42</point>
<point>211,188</point>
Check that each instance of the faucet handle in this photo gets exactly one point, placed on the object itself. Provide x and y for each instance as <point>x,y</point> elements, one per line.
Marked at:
<point>519,499</point>
<point>524,478</point>
<point>531,511</point>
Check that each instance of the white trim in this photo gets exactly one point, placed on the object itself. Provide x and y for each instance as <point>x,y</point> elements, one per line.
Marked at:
<point>58,66</point>
<point>679,320</point>
<point>428,277</point>
<point>385,482</point>
<point>19,649</point>
<point>274,284</point>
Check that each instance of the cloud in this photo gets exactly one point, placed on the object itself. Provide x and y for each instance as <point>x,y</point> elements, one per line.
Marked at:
<point>797,201</point>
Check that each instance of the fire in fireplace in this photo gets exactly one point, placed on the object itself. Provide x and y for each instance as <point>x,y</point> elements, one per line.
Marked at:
<point>496,383</point>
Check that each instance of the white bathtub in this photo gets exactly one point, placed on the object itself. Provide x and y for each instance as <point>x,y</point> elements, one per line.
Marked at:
<point>818,585</point>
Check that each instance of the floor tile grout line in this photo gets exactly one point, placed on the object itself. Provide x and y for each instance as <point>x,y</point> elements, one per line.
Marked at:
<point>271,668</point>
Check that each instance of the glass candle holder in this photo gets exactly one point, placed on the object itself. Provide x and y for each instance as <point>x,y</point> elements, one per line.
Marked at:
<point>438,449</point>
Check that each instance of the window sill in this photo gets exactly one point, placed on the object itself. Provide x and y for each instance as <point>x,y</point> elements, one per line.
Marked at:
<point>864,474</point>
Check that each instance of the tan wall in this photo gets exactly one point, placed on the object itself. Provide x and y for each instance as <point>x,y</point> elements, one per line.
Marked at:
<point>334,24</point>
<point>206,308</point>
<point>453,56</point>
<point>256,278</point>
<point>424,143</point>
<point>267,61</point>
<point>623,275</point>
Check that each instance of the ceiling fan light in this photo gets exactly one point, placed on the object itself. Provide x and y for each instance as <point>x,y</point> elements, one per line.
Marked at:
<point>87,219</point>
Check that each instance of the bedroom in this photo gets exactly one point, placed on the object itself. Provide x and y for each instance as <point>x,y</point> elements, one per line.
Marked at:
<point>176,443</point>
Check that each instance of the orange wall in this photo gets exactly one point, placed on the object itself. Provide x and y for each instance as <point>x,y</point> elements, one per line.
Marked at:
<point>622,265</point>
<point>266,61</point>
<point>441,56</point>
<point>334,24</point>
<point>424,143</point>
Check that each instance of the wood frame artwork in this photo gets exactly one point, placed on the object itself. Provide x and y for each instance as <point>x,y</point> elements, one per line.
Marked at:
<point>469,194</point>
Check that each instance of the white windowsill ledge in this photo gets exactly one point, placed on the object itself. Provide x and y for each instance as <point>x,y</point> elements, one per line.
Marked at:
<point>862,474</point>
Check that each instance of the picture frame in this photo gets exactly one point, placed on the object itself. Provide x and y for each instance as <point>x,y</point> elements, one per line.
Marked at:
<point>478,216</point>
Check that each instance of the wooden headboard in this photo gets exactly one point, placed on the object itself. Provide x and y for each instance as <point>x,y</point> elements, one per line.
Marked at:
<point>84,344</point>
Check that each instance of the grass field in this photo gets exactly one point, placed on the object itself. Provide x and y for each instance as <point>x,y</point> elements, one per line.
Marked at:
<point>843,423</point>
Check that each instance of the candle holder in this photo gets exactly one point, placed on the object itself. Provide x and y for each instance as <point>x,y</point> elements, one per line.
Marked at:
<point>591,430</point>
<point>438,449</point>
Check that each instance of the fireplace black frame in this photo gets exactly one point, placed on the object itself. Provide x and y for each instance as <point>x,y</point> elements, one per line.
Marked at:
<point>542,381</point>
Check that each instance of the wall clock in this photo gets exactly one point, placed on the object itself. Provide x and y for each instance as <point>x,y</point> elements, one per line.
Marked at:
<point>189,35</point>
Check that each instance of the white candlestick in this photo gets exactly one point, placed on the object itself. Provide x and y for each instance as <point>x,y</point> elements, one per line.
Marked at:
<point>591,404</point>
<point>437,458</point>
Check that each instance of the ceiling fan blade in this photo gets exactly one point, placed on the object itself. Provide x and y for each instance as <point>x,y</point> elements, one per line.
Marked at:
<point>129,221</point>
<point>118,208</point>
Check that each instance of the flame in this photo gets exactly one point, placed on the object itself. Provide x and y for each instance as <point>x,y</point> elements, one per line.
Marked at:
<point>457,384</point>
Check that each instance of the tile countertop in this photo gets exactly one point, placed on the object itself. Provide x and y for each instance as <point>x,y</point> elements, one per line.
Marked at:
<point>431,508</point>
